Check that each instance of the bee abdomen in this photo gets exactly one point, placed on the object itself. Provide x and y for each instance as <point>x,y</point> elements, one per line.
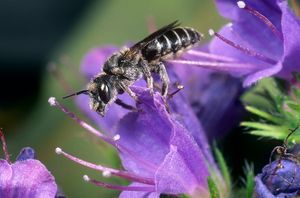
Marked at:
<point>171,43</point>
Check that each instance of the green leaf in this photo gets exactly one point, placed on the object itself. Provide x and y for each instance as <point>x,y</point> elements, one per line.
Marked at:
<point>214,192</point>
<point>296,91</point>
<point>285,110</point>
<point>249,184</point>
<point>274,134</point>
<point>258,125</point>
<point>263,114</point>
<point>223,167</point>
<point>293,105</point>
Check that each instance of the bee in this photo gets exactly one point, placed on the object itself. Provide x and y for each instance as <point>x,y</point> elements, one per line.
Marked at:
<point>143,59</point>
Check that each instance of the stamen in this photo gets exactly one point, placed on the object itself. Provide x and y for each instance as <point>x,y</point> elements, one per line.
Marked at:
<point>241,4</point>
<point>147,165</point>
<point>53,102</point>
<point>58,151</point>
<point>210,56</point>
<point>86,178</point>
<point>211,32</point>
<point>106,171</point>
<point>264,19</point>
<point>4,146</point>
<point>116,137</point>
<point>245,50</point>
<point>219,66</point>
<point>117,187</point>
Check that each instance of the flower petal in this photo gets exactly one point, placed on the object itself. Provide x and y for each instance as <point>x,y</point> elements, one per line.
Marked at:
<point>291,31</point>
<point>184,160</point>
<point>218,113</point>
<point>249,31</point>
<point>28,178</point>
<point>135,194</point>
<point>252,78</point>
<point>5,177</point>
<point>244,32</point>
<point>182,111</point>
<point>149,134</point>
<point>146,133</point>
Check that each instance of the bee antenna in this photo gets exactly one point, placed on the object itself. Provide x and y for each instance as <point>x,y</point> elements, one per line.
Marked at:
<point>289,135</point>
<point>77,93</point>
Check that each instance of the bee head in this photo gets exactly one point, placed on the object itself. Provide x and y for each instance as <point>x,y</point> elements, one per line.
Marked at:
<point>100,92</point>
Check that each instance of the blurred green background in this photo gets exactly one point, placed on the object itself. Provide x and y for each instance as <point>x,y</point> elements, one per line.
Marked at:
<point>37,34</point>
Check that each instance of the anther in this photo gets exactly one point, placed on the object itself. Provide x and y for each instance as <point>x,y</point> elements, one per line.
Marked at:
<point>86,178</point>
<point>58,151</point>
<point>241,4</point>
<point>211,32</point>
<point>229,24</point>
<point>52,101</point>
<point>106,173</point>
<point>116,137</point>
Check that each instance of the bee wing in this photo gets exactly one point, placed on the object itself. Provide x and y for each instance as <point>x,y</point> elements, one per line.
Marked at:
<point>136,47</point>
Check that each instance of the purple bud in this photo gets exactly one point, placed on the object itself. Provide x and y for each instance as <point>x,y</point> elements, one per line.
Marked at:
<point>26,153</point>
<point>281,178</point>
<point>26,178</point>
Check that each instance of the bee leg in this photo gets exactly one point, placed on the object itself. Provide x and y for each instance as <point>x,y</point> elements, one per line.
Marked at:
<point>179,88</point>
<point>164,78</point>
<point>125,106</point>
<point>147,75</point>
<point>129,91</point>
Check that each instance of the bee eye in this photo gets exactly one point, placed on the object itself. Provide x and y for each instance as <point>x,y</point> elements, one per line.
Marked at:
<point>121,61</point>
<point>104,93</point>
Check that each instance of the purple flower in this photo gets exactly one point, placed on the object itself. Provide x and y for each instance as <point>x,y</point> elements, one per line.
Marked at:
<point>162,153</point>
<point>214,97</point>
<point>217,112</point>
<point>281,179</point>
<point>26,177</point>
<point>261,41</point>
<point>262,37</point>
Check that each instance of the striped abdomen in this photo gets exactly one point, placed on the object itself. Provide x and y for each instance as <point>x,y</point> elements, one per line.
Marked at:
<point>170,44</point>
